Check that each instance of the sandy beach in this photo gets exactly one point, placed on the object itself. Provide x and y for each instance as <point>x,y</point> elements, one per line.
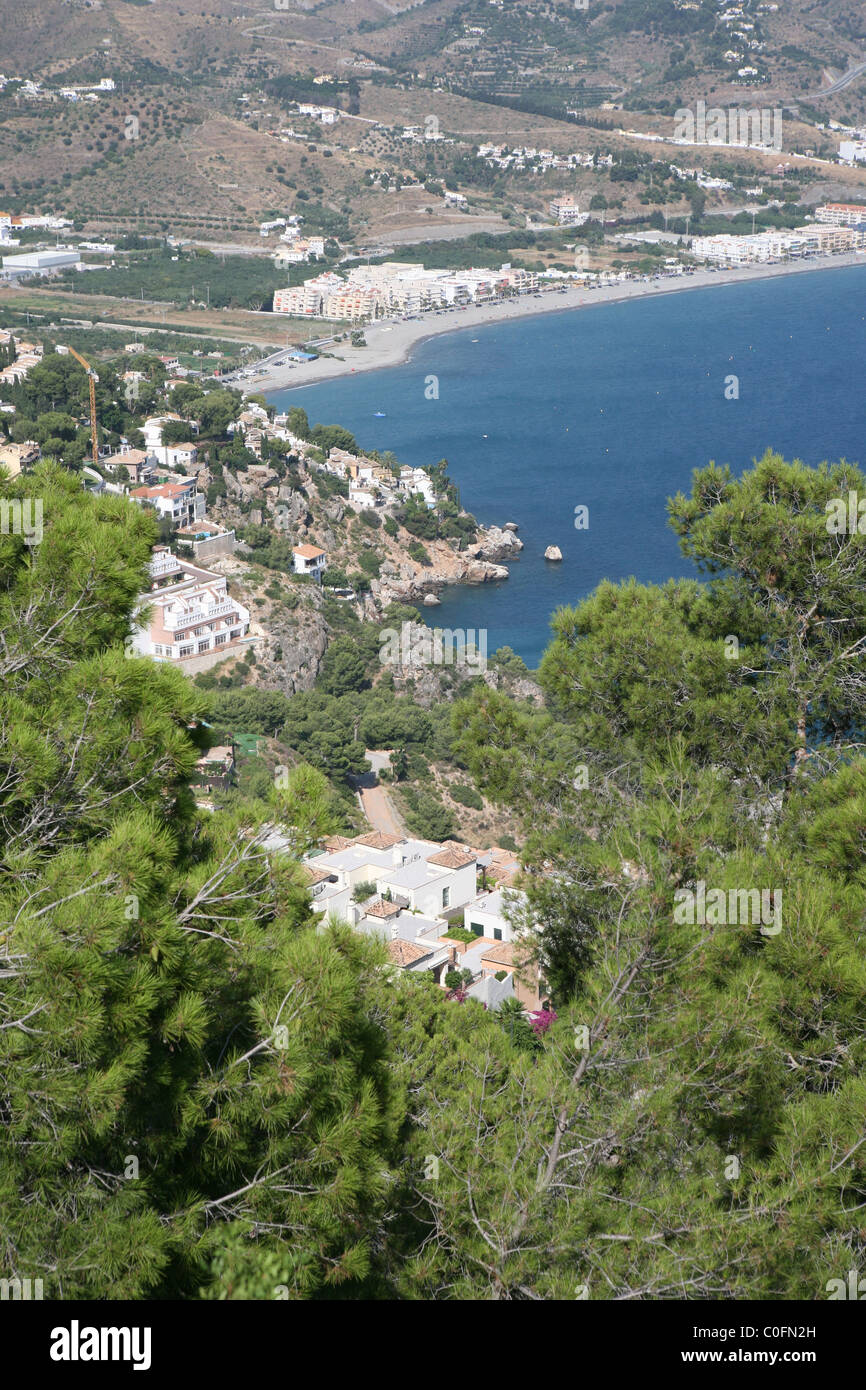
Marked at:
<point>391,343</point>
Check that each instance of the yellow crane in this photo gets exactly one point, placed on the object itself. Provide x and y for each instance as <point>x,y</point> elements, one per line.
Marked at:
<point>92,380</point>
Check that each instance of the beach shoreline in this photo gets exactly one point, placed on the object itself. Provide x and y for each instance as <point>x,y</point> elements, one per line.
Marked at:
<point>391,343</point>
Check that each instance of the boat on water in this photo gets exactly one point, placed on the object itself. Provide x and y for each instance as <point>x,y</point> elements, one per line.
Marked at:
<point>378,415</point>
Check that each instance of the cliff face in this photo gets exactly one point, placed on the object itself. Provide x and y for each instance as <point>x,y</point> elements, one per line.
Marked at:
<point>290,658</point>
<point>406,580</point>
<point>292,627</point>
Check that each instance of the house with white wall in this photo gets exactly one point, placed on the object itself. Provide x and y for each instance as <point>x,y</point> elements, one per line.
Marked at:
<point>181,455</point>
<point>180,503</point>
<point>187,613</point>
<point>309,559</point>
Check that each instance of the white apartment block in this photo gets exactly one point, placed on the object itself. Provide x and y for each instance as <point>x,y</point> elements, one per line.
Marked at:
<point>398,287</point>
<point>418,876</point>
<point>841,214</point>
<point>730,250</point>
<point>567,212</point>
<point>414,888</point>
<point>190,612</point>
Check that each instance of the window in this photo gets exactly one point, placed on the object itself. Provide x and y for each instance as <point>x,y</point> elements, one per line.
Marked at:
<point>477,928</point>
<point>236,632</point>
<point>446,897</point>
<point>186,651</point>
<point>157,649</point>
<point>497,933</point>
<point>204,646</point>
<point>219,639</point>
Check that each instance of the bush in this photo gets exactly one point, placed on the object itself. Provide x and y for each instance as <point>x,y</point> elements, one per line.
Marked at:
<point>467,796</point>
<point>363,891</point>
<point>391,527</point>
<point>462,934</point>
<point>418,553</point>
<point>427,817</point>
<point>371,519</point>
<point>500,975</point>
<point>370,563</point>
<point>455,978</point>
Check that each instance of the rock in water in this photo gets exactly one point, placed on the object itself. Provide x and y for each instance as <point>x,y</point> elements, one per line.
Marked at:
<point>553,552</point>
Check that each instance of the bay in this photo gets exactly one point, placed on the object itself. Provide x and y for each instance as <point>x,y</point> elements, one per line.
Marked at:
<point>611,407</point>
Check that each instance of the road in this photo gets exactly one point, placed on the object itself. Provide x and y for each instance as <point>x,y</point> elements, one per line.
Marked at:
<point>843,81</point>
<point>375,801</point>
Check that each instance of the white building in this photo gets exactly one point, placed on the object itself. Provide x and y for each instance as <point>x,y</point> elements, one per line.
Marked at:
<point>567,212</point>
<point>841,214</point>
<point>180,503</point>
<point>415,875</point>
<point>415,480</point>
<point>852,152</point>
<point>405,892</point>
<point>181,455</point>
<point>190,612</point>
<point>309,559</point>
<point>35,262</point>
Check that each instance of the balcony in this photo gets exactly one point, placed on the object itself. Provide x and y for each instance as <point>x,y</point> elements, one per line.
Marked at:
<point>164,564</point>
<point>190,617</point>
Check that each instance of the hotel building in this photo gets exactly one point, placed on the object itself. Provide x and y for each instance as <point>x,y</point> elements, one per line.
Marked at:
<point>190,612</point>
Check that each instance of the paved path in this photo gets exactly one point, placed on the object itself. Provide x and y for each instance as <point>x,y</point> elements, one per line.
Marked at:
<point>375,801</point>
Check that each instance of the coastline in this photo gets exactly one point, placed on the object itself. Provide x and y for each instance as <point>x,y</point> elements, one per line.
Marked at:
<point>391,343</point>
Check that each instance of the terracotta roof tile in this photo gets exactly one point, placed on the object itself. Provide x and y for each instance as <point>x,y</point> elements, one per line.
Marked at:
<point>382,908</point>
<point>501,954</point>
<point>377,839</point>
<point>316,875</point>
<point>405,952</point>
<point>451,859</point>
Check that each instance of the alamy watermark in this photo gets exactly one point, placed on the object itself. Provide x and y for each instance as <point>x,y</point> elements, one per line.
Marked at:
<point>22,518</point>
<point>738,907</point>
<point>738,125</point>
<point>852,1287</point>
<point>846,516</point>
<point>21,1290</point>
<point>415,645</point>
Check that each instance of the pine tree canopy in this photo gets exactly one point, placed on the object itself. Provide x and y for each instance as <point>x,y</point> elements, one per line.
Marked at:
<point>207,1091</point>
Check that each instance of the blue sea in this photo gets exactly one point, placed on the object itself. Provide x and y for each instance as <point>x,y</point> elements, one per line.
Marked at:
<point>611,407</point>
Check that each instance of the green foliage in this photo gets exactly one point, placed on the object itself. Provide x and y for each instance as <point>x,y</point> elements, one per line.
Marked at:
<point>426,817</point>
<point>458,933</point>
<point>342,668</point>
<point>172,1023</point>
<point>416,551</point>
<point>206,1092</point>
<point>467,796</point>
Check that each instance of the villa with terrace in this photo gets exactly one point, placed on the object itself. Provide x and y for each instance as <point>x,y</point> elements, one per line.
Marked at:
<point>188,612</point>
<point>412,893</point>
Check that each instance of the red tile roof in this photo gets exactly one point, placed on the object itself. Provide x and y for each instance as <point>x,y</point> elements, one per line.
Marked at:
<point>405,952</point>
<point>382,908</point>
<point>451,859</point>
<point>377,839</point>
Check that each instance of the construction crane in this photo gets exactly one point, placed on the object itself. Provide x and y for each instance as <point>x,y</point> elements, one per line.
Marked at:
<point>92,380</point>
